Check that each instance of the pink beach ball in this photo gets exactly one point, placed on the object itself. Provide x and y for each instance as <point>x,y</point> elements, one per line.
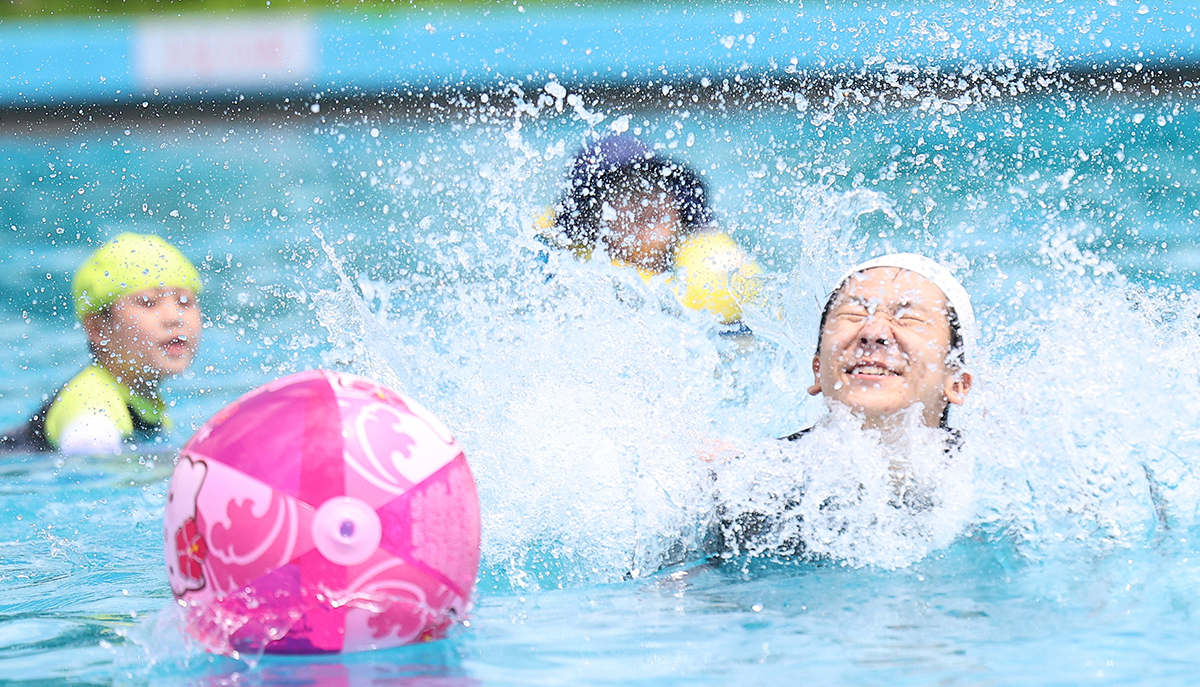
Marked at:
<point>321,513</point>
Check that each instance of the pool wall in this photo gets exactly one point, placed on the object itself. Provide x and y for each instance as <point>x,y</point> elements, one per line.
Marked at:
<point>128,62</point>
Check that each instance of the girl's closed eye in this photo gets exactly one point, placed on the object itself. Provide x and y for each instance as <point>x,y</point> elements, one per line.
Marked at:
<point>852,314</point>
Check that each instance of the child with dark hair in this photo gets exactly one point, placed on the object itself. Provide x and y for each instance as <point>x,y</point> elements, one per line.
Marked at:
<point>651,214</point>
<point>883,460</point>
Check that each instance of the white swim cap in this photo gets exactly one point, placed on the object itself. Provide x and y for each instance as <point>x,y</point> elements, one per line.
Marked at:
<point>935,272</point>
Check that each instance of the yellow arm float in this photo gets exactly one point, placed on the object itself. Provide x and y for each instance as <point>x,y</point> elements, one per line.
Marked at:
<point>713,273</point>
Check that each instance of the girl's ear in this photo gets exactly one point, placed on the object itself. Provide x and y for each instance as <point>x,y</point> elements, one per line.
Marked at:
<point>816,385</point>
<point>957,387</point>
<point>97,329</point>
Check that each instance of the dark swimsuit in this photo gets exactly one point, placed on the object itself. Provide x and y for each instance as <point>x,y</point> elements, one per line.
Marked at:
<point>747,527</point>
<point>31,437</point>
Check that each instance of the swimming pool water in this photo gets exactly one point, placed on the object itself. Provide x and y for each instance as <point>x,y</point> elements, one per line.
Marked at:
<point>404,249</point>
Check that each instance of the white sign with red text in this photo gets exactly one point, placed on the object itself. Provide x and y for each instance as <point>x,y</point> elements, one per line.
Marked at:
<point>190,54</point>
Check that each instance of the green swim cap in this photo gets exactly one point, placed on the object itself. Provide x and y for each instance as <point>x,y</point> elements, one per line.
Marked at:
<point>127,264</point>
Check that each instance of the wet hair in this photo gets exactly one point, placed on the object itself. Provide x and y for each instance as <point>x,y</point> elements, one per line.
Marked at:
<point>956,357</point>
<point>621,168</point>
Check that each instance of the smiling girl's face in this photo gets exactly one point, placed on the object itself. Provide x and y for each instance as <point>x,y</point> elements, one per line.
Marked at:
<point>885,346</point>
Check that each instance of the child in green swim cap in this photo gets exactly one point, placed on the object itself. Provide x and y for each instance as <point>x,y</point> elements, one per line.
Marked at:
<point>136,299</point>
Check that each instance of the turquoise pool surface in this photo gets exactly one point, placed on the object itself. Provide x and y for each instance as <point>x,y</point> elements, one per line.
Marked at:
<point>404,248</point>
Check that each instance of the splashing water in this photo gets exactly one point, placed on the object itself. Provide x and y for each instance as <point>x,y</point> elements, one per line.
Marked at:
<point>589,403</point>
<point>845,495</point>
<point>587,399</point>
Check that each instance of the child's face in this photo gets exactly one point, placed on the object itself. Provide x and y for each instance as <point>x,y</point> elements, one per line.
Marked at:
<point>641,229</point>
<point>885,347</point>
<point>152,334</point>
